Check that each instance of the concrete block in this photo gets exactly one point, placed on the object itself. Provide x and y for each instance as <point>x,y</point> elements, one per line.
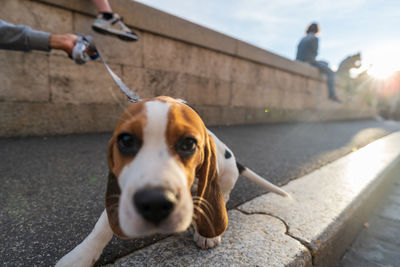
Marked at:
<point>232,116</point>
<point>37,15</point>
<point>264,57</point>
<point>135,79</point>
<point>247,95</point>
<point>312,90</point>
<point>253,115</point>
<point>221,115</point>
<point>211,115</point>
<point>221,66</point>
<point>266,76</point>
<point>27,119</point>
<point>205,91</point>
<point>161,53</point>
<point>244,71</point>
<point>256,240</point>
<point>24,76</point>
<point>241,115</point>
<point>313,86</point>
<point>320,89</point>
<point>170,55</point>
<point>112,49</point>
<point>258,115</point>
<point>210,64</point>
<point>283,80</point>
<point>294,100</point>
<point>309,101</point>
<point>82,84</point>
<point>168,83</point>
<point>86,7</point>
<point>323,102</point>
<point>299,83</point>
<point>317,87</point>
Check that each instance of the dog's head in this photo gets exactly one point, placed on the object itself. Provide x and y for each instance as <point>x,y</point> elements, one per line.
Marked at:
<point>158,148</point>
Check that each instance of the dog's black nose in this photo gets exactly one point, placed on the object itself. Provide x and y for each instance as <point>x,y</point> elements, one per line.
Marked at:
<point>154,204</point>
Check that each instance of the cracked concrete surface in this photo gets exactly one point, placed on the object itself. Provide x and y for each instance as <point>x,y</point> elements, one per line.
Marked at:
<point>251,239</point>
<point>273,231</point>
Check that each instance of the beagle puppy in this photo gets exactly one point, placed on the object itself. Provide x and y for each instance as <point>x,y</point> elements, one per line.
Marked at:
<point>159,151</point>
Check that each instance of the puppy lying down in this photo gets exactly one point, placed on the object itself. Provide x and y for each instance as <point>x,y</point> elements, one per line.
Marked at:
<point>159,151</point>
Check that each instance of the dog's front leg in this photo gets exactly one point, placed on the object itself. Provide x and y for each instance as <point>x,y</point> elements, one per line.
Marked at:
<point>87,252</point>
<point>206,242</point>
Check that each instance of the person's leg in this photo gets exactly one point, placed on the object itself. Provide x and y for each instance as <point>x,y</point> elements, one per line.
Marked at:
<point>102,6</point>
<point>331,83</point>
<point>108,22</point>
<point>324,68</point>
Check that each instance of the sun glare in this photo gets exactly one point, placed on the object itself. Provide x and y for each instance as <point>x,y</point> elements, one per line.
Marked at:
<point>382,70</point>
<point>383,60</point>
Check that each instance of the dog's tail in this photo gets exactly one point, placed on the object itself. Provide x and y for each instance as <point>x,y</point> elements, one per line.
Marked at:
<point>257,179</point>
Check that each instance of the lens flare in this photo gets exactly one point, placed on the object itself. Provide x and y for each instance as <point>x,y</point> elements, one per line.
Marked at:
<point>383,60</point>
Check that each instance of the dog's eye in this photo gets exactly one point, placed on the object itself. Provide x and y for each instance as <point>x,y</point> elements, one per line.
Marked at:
<point>129,144</point>
<point>186,146</point>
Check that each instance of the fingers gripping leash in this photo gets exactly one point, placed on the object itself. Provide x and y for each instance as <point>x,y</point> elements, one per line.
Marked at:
<point>86,49</point>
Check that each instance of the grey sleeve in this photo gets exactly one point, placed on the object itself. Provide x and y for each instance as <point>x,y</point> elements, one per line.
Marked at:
<point>22,37</point>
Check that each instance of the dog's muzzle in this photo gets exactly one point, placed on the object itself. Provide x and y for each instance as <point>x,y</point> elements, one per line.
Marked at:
<point>154,205</point>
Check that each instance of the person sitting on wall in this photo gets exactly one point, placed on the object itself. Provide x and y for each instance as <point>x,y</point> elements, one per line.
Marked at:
<point>23,38</point>
<point>307,51</point>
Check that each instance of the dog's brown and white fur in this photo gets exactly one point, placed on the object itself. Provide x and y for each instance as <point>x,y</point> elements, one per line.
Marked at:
<point>160,148</point>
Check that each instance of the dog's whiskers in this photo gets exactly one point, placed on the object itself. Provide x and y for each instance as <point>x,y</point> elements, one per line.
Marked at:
<point>199,201</point>
<point>204,208</point>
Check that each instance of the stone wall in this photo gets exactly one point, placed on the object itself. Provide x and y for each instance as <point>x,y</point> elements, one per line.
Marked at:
<point>227,80</point>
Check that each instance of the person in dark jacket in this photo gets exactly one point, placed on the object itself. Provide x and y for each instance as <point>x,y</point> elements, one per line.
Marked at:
<point>307,51</point>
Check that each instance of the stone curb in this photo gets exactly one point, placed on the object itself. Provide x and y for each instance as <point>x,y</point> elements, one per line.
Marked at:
<point>328,208</point>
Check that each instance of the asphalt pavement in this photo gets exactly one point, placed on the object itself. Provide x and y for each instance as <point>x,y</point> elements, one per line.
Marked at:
<point>53,187</point>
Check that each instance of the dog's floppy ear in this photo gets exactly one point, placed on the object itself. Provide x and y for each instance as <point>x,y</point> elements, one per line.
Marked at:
<point>210,216</point>
<point>113,193</point>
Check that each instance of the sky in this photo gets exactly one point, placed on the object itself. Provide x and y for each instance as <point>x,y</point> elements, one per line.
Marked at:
<point>371,27</point>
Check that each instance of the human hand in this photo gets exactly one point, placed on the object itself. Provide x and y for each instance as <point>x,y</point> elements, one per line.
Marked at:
<point>66,42</point>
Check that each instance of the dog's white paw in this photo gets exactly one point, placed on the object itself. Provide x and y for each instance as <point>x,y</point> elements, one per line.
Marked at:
<point>204,242</point>
<point>79,257</point>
